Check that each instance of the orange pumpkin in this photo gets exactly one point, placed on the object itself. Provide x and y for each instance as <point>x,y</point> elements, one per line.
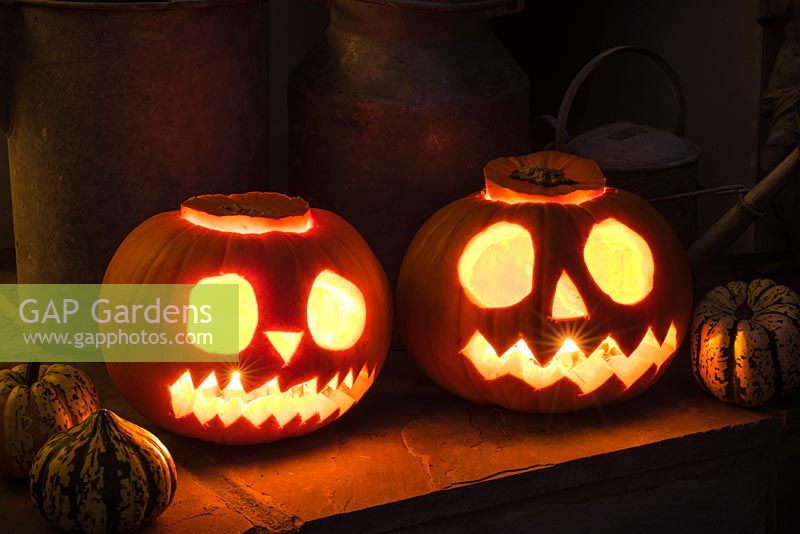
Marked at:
<point>315,316</point>
<point>547,292</point>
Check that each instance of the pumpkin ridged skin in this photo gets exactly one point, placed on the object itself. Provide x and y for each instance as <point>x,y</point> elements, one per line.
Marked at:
<point>105,475</point>
<point>746,342</point>
<point>167,249</point>
<point>437,318</point>
<point>60,398</point>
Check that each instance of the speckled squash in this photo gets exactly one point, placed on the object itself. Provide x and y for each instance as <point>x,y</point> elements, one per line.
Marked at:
<point>36,403</point>
<point>105,475</point>
<point>746,342</point>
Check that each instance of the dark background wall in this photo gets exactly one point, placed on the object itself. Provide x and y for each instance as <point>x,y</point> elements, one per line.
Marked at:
<point>6,231</point>
<point>715,46</point>
<point>294,27</point>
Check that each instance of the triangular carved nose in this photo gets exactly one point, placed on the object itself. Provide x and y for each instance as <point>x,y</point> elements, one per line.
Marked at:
<point>568,303</point>
<point>285,343</point>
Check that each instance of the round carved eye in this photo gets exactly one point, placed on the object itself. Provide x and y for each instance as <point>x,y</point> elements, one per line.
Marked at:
<point>620,261</point>
<point>248,310</point>
<point>336,312</point>
<point>496,267</point>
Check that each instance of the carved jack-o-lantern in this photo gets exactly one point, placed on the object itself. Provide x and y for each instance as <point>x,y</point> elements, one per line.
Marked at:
<point>547,292</point>
<point>314,318</point>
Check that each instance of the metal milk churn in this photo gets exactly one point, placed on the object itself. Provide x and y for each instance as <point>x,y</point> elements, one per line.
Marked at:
<point>396,110</point>
<point>657,165</point>
<point>117,111</point>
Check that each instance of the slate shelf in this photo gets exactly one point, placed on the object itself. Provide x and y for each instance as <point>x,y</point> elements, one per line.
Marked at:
<point>412,458</point>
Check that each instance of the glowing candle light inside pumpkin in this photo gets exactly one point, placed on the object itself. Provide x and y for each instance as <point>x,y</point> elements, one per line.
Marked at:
<point>314,317</point>
<point>568,346</point>
<point>569,354</point>
<point>544,253</point>
<point>234,387</point>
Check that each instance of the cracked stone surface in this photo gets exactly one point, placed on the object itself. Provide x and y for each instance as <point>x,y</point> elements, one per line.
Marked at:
<point>410,455</point>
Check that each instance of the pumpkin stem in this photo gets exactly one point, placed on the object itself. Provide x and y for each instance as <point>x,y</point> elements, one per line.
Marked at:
<point>542,176</point>
<point>743,311</point>
<point>237,208</point>
<point>32,373</point>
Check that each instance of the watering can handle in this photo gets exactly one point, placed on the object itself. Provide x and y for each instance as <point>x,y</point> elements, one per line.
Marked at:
<point>574,87</point>
<point>8,25</point>
<point>493,7</point>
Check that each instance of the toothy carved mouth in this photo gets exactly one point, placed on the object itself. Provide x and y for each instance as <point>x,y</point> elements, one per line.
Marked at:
<point>587,372</point>
<point>232,403</point>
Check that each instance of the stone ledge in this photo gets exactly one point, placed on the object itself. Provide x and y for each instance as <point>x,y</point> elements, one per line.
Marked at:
<point>412,457</point>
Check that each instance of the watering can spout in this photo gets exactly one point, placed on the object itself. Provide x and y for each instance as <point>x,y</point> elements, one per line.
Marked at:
<point>717,239</point>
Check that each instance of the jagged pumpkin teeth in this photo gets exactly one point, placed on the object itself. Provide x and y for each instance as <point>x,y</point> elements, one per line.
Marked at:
<point>325,407</point>
<point>348,380</point>
<point>257,393</point>
<point>272,387</point>
<point>205,408</point>
<point>257,411</point>
<point>341,399</point>
<point>234,389</point>
<point>282,410</point>
<point>588,372</point>
<point>230,411</point>
<point>307,410</point>
<point>311,386</point>
<point>234,403</point>
<point>185,406</point>
<point>629,369</point>
<point>361,384</point>
<point>183,395</point>
<point>334,383</point>
<point>210,387</point>
<point>546,376</point>
<point>593,372</point>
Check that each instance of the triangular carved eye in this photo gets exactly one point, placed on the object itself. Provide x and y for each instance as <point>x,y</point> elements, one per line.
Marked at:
<point>568,303</point>
<point>496,267</point>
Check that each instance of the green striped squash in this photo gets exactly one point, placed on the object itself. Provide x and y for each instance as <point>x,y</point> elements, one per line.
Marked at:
<point>746,342</point>
<point>104,475</point>
<point>38,402</point>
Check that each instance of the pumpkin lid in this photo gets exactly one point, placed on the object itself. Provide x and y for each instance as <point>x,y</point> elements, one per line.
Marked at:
<point>248,213</point>
<point>548,176</point>
<point>441,5</point>
<point>624,146</point>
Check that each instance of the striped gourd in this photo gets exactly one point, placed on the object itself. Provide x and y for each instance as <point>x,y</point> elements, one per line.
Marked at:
<point>36,403</point>
<point>104,475</point>
<point>746,342</point>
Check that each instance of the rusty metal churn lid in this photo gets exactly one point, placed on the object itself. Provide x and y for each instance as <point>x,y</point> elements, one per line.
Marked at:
<point>396,110</point>
<point>645,160</point>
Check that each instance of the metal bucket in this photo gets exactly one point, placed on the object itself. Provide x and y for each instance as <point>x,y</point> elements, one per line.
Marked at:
<point>122,110</point>
<point>396,110</point>
<point>655,164</point>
